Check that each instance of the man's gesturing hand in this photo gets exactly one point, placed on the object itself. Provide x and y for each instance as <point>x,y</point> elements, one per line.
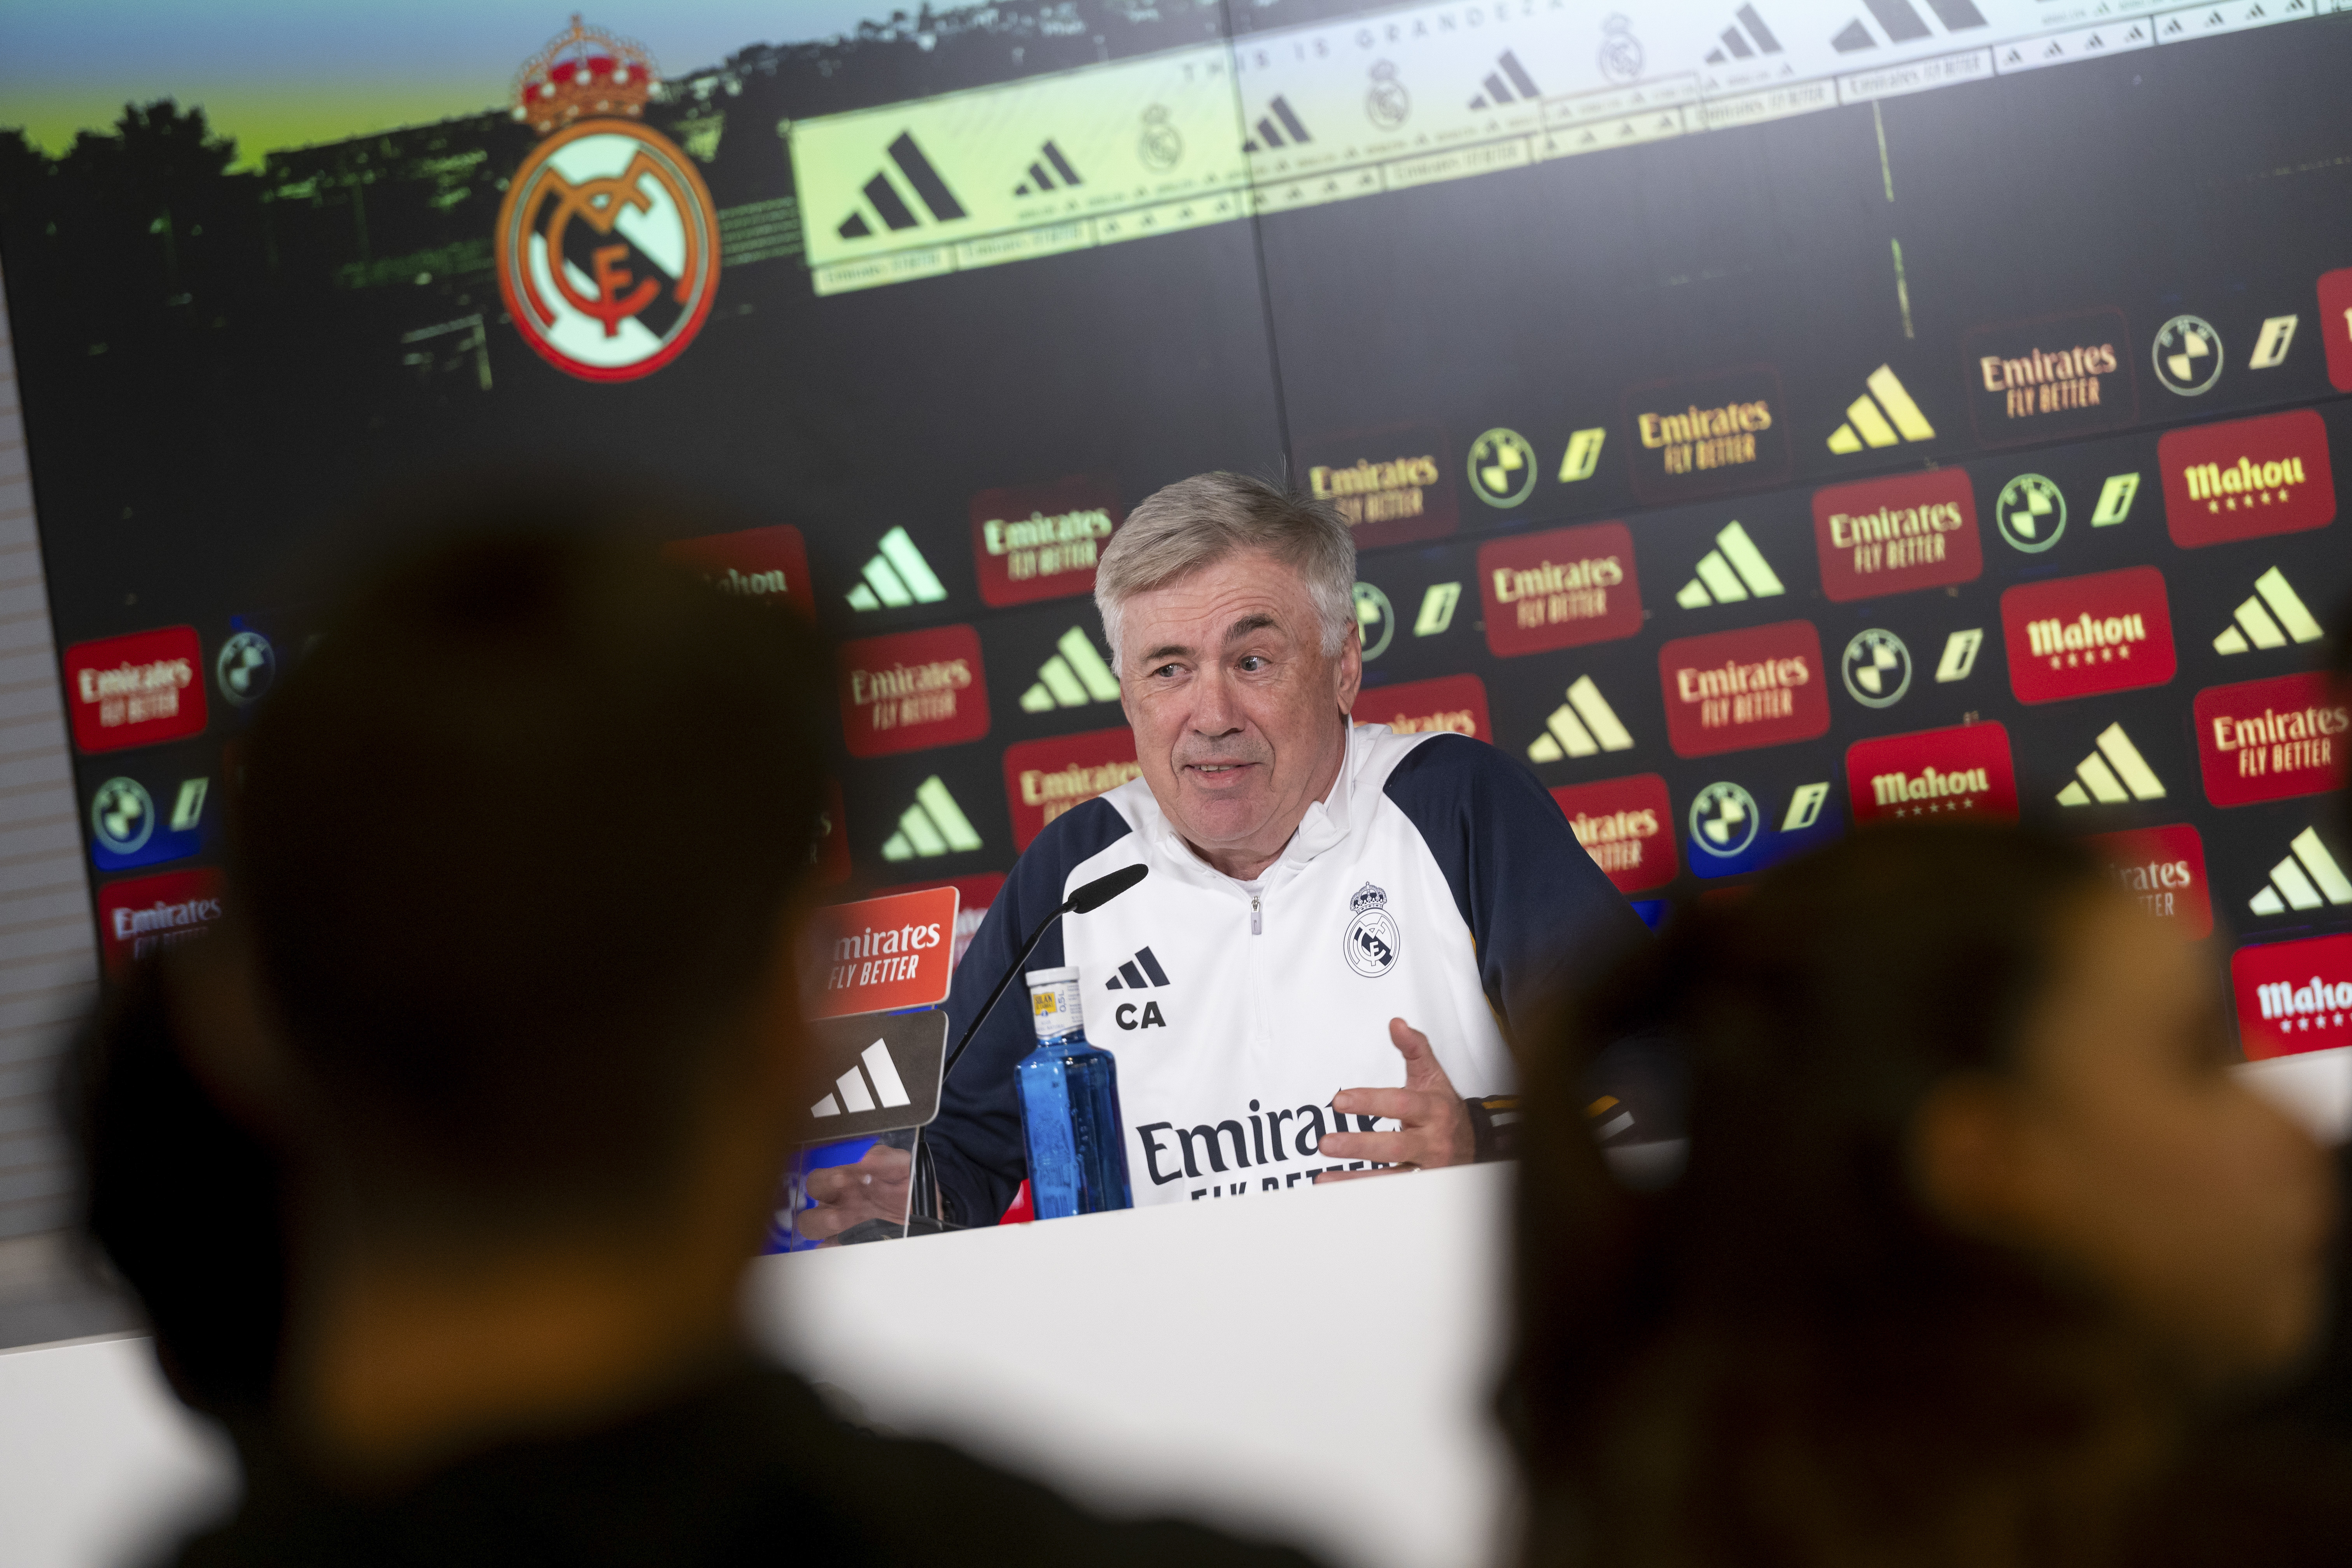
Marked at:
<point>874,1188</point>
<point>1435,1125</point>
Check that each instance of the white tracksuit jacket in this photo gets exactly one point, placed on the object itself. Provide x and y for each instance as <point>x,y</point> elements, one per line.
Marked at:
<point>1438,883</point>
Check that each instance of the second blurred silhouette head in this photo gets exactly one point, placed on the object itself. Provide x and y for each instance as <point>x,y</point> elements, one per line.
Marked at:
<point>1971,1211</point>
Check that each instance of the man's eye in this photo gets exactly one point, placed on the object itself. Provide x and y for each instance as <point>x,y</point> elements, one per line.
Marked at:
<point>1253,662</point>
<point>1165,670</point>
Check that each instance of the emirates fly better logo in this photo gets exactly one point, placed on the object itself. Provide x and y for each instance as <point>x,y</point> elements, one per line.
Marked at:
<point>607,240</point>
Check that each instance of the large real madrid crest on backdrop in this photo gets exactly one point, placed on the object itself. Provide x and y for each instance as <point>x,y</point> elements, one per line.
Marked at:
<point>608,243</point>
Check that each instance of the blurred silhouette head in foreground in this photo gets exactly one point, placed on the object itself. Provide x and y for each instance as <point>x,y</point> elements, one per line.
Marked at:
<point>503,1018</point>
<point>440,1162</point>
<point>1973,1212</point>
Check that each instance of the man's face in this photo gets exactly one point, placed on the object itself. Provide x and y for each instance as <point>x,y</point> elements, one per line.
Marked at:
<point>1236,708</point>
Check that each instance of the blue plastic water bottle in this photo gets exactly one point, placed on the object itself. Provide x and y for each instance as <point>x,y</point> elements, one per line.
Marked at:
<point>1069,1108</point>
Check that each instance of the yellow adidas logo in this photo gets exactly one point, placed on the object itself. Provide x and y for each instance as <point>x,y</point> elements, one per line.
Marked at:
<point>1881,416</point>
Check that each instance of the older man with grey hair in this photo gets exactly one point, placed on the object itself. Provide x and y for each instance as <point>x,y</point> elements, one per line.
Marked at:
<point>1340,927</point>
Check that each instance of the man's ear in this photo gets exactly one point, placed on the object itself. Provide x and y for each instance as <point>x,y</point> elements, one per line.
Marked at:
<point>1964,1154</point>
<point>1352,666</point>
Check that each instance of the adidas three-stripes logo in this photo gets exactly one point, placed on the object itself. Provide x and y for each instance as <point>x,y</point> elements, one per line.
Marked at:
<point>934,825</point>
<point>1581,727</point>
<point>896,577</point>
<point>1734,570</point>
<point>1138,973</point>
<point>2305,879</point>
<point>2273,615</point>
<point>1073,678</point>
<point>2116,771</point>
<point>850,1090</point>
<point>1881,416</point>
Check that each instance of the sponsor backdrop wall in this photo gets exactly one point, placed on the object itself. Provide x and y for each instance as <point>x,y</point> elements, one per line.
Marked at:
<point>1763,418</point>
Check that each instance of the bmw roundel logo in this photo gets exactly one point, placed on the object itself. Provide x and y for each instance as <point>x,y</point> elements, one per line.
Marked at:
<point>121,816</point>
<point>246,666</point>
<point>1723,819</point>
<point>1877,669</point>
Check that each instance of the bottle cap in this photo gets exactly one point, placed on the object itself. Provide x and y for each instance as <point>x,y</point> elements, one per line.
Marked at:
<point>1053,1002</point>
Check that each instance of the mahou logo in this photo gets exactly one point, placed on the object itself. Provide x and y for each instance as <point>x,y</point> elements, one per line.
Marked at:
<point>1042,779</point>
<point>607,241</point>
<point>2110,631</point>
<point>1559,589</point>
<point>1455,704</point>
<point>911,690</point>
<point>1964,772</point>
<point>2247,478</point>
<point>2269,739</point>
<point>136,689</point>
<point>1890,536</point>
<point>1627,825</point>
<point>2293,997</point>
<point>769,565</point>
<point>1390,486</point>
<point>1041,542</point>
<point>140,917</point>
<point>2164,868</point>
<point>1729,691</point>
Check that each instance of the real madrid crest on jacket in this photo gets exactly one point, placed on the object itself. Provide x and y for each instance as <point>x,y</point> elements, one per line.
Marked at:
<point>1437,883</point>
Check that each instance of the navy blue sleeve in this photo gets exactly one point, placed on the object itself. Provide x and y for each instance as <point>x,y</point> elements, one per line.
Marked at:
<point>975,1140</point>
<point>1545,918</point>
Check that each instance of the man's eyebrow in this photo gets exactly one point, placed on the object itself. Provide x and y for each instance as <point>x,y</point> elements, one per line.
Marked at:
<point>1247,625</point>
<point>1167,650</point>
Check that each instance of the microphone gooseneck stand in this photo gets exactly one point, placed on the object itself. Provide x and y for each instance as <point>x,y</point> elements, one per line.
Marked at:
<point>923,1216</point>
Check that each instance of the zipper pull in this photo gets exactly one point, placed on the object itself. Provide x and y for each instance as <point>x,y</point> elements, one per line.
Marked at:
<point>1257,921</point>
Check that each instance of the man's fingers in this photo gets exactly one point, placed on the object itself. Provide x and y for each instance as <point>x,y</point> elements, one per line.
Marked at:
<point>1421,1068</point>
<point>883,1160</point>
<point>847,1183</point>
<point>1406,1105</point>
<point>1388,1148</point>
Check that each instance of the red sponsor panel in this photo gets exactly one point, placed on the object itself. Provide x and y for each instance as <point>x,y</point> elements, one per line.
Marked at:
<point>975,896</point>
<point>912,690</point>
<point>1891,536</point>
<point>135,690</point>
<point>1391,485</point>
<point>2164,868</point>
<point>1041,542</point>
<point>1627,825</point>
<point>1730,691</point>
<point>1562,588</point>
<point>1042,779</point>
<point>1453,703</point>
<point>768,565</point>
<point>878,956</point>
<point>2269,739</point>
<point>2078,636</point>
<point>2246,478</point>
<point>2293,997</point>
<point>2335,325</point>
<point>143,915</point>
<point>1964,774</point>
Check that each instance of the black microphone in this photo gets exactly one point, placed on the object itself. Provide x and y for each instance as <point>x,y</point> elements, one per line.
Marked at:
<point>1086,900</point>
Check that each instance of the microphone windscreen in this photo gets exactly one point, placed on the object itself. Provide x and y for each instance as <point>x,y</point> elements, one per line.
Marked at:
<point>1103,889</point>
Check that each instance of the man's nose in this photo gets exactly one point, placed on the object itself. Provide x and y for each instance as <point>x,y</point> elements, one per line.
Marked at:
<point>1215,714</point>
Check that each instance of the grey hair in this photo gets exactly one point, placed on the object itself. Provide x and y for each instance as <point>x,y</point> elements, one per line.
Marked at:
<point>1194,523</point>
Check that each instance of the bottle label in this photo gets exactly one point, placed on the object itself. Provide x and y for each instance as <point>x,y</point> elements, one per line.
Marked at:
<point>1053,1008</point>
